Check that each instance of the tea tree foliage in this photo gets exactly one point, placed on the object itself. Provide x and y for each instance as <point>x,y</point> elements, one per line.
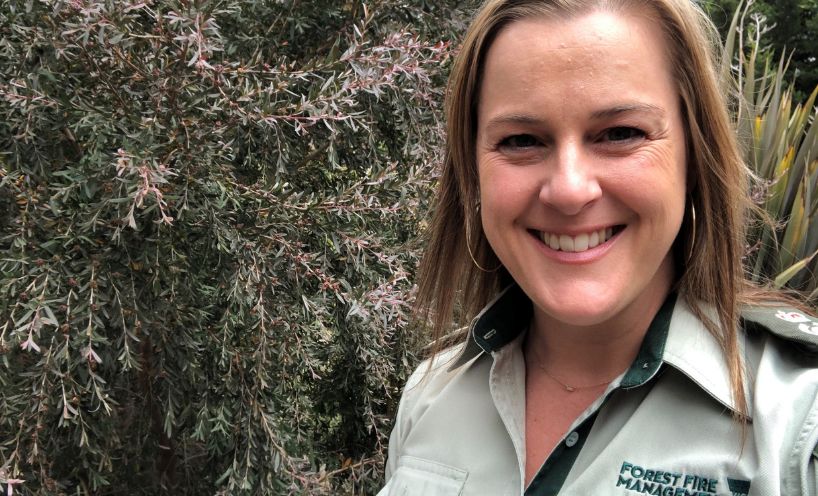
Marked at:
<point>208,215</point>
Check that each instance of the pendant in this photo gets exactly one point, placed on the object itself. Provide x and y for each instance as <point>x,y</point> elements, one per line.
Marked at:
<point>569,388</point>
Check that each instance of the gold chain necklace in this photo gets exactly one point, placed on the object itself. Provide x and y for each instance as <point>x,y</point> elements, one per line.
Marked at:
<point>565,386</point>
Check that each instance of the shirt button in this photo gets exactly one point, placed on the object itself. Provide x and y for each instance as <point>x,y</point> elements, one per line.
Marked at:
<point>572,439</point>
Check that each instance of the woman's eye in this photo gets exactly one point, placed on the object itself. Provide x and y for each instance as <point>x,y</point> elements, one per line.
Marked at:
<point>519,141</point>
<point>622,134</point>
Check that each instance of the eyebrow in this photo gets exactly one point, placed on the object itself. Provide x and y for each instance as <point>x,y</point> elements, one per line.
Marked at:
<point>605,113</point>
<point>627,108</point>
<point>513,119</point>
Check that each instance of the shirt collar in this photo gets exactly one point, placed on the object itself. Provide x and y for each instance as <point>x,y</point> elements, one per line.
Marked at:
<point>508,315</point>
<point>500,321</point>
<point>675,336</point>
<point>649,359</point>
<point>695,352</point>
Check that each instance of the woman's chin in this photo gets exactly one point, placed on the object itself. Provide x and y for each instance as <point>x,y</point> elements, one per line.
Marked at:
<point>579,311</point>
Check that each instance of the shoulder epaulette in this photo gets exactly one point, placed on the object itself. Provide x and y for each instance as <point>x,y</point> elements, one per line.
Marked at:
<point>786,323</point>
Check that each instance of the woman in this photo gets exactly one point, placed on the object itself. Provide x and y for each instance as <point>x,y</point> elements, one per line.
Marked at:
<point>594,168</point>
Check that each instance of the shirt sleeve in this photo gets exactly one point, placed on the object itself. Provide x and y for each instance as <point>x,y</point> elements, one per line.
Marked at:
<point>811,486</point>
<point>415,388</point>
<point>806,453</point>
<point>399,431</point>
<point>392,457</point>
<point>394,445</point>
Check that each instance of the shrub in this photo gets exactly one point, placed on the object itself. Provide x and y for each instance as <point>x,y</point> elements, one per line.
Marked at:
<point>207,221</point>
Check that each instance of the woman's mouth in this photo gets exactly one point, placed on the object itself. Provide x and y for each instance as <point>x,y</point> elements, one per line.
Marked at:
<point>579,242</point>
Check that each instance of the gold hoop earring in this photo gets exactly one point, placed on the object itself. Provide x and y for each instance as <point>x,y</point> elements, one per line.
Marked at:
<point>692,230</point>
<point>468,246</point>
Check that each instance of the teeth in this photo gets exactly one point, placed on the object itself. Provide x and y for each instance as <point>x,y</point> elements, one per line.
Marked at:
<point>566,243</point>
<point>581,242</point>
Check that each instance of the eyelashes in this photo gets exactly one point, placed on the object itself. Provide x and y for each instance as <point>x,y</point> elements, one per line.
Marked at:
<point>623,133</point>
<point>519,141</point>
<point>619,135</point>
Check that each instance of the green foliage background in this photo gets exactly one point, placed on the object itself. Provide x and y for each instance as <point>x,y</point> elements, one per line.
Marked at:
<point>208,231</point>
<point>791,28</point>
<point>209,222</point>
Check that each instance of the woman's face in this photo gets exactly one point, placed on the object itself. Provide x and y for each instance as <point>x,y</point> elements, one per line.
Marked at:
<point>581,157</point>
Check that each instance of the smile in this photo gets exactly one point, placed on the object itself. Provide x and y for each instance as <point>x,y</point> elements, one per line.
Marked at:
<point>579,242</point>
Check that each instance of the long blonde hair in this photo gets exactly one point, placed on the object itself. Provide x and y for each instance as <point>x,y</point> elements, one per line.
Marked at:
<point>452,289</point>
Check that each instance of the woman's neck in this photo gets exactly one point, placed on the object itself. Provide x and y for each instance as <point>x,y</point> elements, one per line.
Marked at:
<point>590,354</point>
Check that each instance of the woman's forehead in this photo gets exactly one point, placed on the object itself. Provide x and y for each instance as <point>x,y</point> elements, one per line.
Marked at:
<point>594,62</point>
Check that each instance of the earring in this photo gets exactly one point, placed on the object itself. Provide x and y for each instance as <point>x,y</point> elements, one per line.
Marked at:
<point>468,245</point>
<point>692,230</point>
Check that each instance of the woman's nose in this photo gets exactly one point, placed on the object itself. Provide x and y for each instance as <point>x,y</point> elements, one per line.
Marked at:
<point>571,183</point>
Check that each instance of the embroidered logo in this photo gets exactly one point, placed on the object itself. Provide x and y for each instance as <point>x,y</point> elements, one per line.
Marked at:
<point>811,328</point>
<point>738,487</point>
<point>805,324</point>
<point>793,317</point>
<point>641,480</point>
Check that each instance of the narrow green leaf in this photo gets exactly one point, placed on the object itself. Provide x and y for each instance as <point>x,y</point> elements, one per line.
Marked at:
<point>784,277</point>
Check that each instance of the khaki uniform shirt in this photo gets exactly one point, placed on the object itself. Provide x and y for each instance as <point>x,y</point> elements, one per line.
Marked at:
<point>664,427</point>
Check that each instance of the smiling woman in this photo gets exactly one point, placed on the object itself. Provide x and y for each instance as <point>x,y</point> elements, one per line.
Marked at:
<point>601,149</point>
<point>592,163</point>
<point>572,139</point>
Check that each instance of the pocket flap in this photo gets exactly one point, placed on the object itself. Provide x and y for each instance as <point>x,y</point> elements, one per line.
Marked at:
<point>417,476</point>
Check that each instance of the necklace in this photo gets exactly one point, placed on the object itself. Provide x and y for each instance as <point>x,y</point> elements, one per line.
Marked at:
<point>565,386</point>
<point>568,387</point>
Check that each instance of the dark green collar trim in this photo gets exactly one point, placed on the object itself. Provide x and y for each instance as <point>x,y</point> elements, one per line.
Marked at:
<point>649,359</point>
<point>502,320</point>
<point>552,474</point>
<point>509,314</point>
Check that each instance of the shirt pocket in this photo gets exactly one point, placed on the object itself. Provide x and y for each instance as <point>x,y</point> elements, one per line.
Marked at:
<point>419,477</point>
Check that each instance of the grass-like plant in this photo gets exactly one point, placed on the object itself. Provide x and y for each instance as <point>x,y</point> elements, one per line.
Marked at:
<point>781,139</point>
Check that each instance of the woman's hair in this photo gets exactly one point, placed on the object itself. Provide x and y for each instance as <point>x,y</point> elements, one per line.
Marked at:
<point>708,256</point>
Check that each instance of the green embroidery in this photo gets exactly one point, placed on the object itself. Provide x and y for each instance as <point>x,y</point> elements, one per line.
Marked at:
<point>738,487</point>
<point>643,480</point>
